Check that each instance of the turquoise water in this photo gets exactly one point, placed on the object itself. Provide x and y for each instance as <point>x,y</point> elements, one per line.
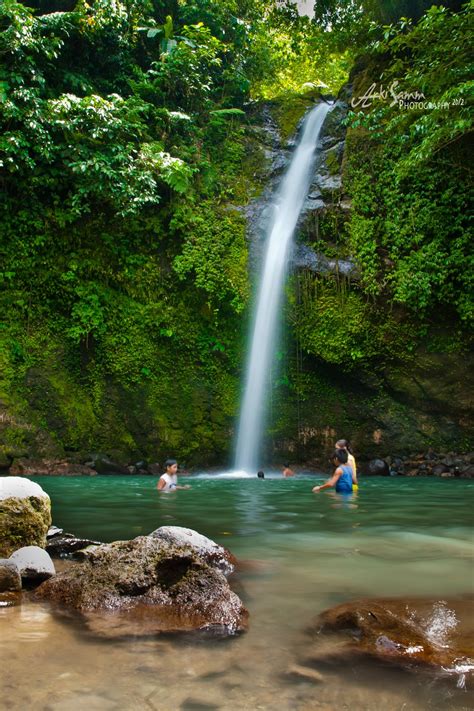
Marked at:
<point>397,537</point>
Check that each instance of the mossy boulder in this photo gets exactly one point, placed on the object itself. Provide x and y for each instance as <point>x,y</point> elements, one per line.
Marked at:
<point>147,586</point>
<point>25,514</point>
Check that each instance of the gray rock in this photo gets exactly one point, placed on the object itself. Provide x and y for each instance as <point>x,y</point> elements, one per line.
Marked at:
<point>378,467</point>
<point>209,551</point>
<point>54,531</point>
<point>439,469</point>
<point>104,465</point>
<point>10,578</point>
<point>34,564</point>
<point>329,183</point>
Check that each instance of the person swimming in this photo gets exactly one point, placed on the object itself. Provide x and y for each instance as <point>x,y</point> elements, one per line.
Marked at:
<point>287,472</point>
<point>169,480</point>
<point>261,475</point>
<point>342,477</point>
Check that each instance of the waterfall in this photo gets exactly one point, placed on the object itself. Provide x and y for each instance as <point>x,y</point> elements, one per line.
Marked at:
<point>289,202</point>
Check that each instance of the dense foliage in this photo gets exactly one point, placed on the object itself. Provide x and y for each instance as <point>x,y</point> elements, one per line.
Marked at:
<point>127,149</point>
<point>408,174</point>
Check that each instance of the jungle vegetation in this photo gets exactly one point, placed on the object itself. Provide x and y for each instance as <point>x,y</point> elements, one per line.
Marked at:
<point>128,148</point>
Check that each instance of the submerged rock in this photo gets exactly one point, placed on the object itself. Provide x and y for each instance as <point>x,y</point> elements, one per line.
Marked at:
<point>34,565</point>
<point>414,633</point>
<point>147,586</point>
<point>25,514</point>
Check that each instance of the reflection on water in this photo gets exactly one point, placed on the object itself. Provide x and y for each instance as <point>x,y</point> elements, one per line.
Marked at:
<point>309,552</point>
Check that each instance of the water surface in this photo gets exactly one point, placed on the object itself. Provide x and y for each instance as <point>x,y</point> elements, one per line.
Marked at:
<point>397,537</point>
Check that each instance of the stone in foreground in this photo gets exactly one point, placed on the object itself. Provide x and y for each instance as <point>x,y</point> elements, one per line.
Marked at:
<point>147,586</point>
<point>34,564</point>
<point>217,556</point>
<point>418,633</point>
<point>25,514</point>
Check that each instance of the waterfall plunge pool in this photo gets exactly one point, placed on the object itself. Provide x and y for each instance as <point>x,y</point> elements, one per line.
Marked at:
<point>396,537</point>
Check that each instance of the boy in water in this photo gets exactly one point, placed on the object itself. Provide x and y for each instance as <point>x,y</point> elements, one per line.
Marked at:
<point>344,444</point>
<point>169,480</point>
<point>287,471</point>
<point>342,477</point>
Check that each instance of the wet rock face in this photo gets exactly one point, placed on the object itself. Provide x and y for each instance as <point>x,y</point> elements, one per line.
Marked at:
<point>413,633</point>
<point>48,467</point>
<point>147,586</point>
<point>25,514</point>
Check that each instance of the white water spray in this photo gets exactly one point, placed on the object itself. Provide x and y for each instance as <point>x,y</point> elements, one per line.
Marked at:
<point>290,198</point>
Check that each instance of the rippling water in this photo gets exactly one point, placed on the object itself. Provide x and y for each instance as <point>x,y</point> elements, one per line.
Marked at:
<point>396,537</point>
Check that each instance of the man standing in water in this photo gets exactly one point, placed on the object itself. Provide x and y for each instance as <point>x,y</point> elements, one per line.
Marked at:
<point>169,480</point>
<point>287,471</point>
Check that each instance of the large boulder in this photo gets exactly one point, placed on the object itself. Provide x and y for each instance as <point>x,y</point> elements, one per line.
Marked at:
<point>34,565</point>
<point>25,514</point>
<point>417,633</point>
<point>206,549</point>
<point>147,586</point>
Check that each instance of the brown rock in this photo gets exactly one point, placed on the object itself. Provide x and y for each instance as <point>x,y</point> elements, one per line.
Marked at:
<point>147,586</point>
<point>49,467</point>
<point>410,632</point>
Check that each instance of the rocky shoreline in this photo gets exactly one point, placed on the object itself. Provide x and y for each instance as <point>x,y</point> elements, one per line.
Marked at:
<point>437,464</point>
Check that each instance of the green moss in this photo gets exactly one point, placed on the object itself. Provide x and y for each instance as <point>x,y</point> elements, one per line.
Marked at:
<point>288,109</point>
<point>23,522</point>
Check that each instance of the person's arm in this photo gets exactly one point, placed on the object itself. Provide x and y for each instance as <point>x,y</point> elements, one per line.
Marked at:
<point>330,482</point>
<point>161,484</point>
<point>186,486</point>
<point>352,463</point>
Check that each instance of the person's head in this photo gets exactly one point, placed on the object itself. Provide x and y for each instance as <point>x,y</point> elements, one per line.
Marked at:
<point>340,456</point>
<point>286,466</point>
<point>344,444</point>
<point>261,475</point>
<point>171,466</point>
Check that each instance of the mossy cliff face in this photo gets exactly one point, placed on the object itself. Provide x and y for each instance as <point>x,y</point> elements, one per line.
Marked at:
<point>25,515</point>
<point>162,375</point>
<point>353,364</point>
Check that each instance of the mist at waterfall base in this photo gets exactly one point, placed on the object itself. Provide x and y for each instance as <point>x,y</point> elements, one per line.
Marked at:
<point>287,208</point>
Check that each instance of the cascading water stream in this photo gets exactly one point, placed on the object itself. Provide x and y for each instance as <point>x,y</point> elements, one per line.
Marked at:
<point>289,203</point>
